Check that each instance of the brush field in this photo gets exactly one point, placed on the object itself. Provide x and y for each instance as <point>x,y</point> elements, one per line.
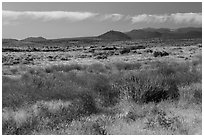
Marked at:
<point>140,87</point>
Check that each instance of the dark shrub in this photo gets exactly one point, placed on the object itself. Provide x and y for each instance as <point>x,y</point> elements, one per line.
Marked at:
<point>160,53</point>
<point>110,48</point>
<point>125,50</point>
<point>147,87</point>
<point>104,56</point>
<point>130,48</point>
<point>148,51</point>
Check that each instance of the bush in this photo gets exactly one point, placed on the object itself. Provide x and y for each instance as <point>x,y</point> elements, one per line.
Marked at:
<point>160,53</point>
<point>125,50</point>
<point>147,87</point>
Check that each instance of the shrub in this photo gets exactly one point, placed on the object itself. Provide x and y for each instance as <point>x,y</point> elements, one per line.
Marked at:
<point>13,93</point>
<point>184,73</point>
<point>14,70</point>
<point>160,53</point>
<point>91,125</point>
<point>97,68</point>
<point>160,119</point>
<point>44,115</point>
<point>126,65</point>
<point>104,56</point>
<point>17,122</point>
<point>198,60</point>
<point>65,68</point>
<point>144,87</point>
<point>191,93</point>
<point>129,48</point>
<point>125,50</point>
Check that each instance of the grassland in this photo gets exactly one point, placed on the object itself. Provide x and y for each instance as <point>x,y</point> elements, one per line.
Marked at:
<point>130,91</point>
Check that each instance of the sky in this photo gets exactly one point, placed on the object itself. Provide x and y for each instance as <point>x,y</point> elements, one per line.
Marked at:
<point>68,19</point>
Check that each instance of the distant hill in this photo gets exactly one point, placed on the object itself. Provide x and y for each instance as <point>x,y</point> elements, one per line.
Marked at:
<point>34,39</point>
<point>143,34</point>
<point>114,35</point>
<point>182,33</point>
<point>165,33</point>
<point>23,43</point>
<point>9,40</point>
<point>188,29</point>
<point>160,30</point>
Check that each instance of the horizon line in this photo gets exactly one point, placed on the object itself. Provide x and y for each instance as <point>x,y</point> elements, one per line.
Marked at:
<point>102,33</point>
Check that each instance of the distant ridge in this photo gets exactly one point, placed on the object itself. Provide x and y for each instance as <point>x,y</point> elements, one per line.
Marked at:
<point>189,29</point>
<point>145,33</point>
<point>160,30</point>
<point>165,33</point>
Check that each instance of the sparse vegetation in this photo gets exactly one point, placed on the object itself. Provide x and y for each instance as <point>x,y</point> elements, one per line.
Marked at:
<point>149,86</point>
<point>103,98</point>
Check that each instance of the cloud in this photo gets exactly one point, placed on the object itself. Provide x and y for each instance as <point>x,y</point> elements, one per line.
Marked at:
<point>149,18</point>
<point>195,18</point>
<point>178,18</point>
<point>47,15</point>
<point>9,17</point>
<point>113,17</point>
<point>12,17</point>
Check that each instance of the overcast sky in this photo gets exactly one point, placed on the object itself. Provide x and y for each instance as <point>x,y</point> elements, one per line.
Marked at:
<point>63,20</point>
